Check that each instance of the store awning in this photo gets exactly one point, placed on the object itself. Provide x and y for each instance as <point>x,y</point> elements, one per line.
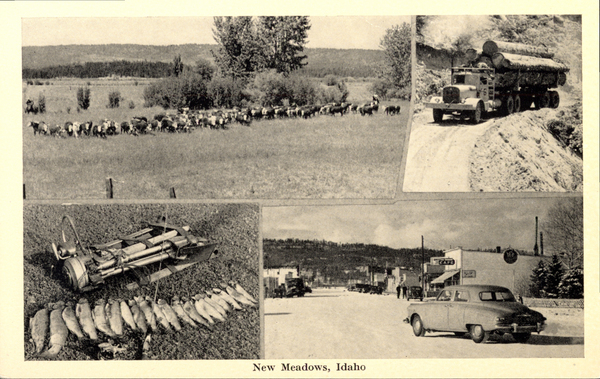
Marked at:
<point>446,275</point>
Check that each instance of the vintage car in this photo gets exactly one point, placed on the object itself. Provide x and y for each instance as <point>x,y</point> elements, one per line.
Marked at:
<point>479,310</point>
<point>414,292</point>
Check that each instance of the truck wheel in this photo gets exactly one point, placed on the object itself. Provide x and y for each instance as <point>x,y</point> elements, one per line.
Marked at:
<point>526,102</point>
<point>554,99</point>
<point>542,100</point>
<point>477,114</point>
<point>438,115</point>
<point>478,335</point>
<point>417,326</point>
<point>518,103</point>
<point>509,107</point>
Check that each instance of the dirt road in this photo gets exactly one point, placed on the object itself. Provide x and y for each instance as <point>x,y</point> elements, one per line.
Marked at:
<point>438,154</point>
<point>334,324</point>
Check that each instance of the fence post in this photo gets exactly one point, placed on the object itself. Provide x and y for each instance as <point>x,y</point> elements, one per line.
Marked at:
<point>109,188</point>
<point>24,192</point>
<point>172,193</point>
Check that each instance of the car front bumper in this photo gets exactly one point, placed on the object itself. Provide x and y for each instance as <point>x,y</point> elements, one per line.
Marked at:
<point>516,328</point>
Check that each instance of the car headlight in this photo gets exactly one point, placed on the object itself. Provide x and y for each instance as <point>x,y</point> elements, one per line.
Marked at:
<point>500,320</point>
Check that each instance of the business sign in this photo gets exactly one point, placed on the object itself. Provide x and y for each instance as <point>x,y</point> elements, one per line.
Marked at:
<point>442,261</point>
<point>510,256</point>
<point>468,274</point>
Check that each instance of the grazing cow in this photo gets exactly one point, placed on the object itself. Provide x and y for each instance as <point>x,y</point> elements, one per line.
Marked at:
<point>336,109</point>
<point>70,129</point>
<point>167,125</point>
<point>268,113</point>
<point>243,119</point>
<point>392,109</point>
<point>37,129</point>
<point>56,131</point>
<point>353,108</point>
<point>375,105</point>
<point>366,109</point>
<point>30,107</point>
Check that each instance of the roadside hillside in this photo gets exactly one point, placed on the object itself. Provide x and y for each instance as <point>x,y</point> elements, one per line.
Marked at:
<point>520,153</point>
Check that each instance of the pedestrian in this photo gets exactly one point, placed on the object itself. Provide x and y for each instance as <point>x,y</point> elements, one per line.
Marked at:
<point>398,290</point>
<point>403,291</point>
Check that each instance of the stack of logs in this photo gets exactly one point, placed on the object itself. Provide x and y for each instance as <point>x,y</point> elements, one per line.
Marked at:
<point>520,65</point>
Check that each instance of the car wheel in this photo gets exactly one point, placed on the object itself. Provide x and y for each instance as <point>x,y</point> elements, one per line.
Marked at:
<point>521,337</point>
<point>438,115</point>
<point>417,326</point>
<point>479,335</point>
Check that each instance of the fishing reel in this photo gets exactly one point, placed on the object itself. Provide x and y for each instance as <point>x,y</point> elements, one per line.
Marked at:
<point>86,268</point>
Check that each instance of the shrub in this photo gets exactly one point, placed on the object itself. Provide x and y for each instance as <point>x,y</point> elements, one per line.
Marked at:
<point>187,90</point>
<point>83,98</point>
<point>47,82</point>
<point>331,80</point>
<point>226,92</point>
<point>41,103</point>
<point>131,104</point>
<point>114,99</point>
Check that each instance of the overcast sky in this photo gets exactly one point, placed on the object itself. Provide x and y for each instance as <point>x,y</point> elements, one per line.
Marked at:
<point>485,223</point>
<point>356,32</point>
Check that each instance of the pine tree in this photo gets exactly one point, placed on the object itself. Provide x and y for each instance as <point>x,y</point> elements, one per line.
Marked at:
<point>571,285</point>
<point>177,66</point>
<point>554,274</point>
<point>396,44</point>
<point>538,280</point>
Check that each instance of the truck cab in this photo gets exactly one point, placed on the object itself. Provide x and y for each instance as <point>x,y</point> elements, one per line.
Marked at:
<point>470,94</point>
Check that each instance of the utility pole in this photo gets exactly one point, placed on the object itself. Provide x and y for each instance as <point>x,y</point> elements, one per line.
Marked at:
<point>422,263</point>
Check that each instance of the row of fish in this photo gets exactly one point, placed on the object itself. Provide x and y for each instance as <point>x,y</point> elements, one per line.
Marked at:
<point>140,314</point>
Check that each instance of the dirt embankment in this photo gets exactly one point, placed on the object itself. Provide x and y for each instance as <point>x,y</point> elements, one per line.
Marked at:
<point>512,153</point>
<point>234,227</point>
<point>518,153</point>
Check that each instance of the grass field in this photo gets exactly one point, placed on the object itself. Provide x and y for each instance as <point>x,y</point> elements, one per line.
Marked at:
<point>323,157</point>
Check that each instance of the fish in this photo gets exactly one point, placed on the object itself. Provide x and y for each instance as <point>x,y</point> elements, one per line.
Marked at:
<point>68,315</point>
<point>178,308</point>
<point>215,305</point>
<point>138,316</point>
<point>100,320</point>
<point>160,316</point>
<point>219,300</point>
<point>227,297</point>
<point>241,290</point>
<point>147,311</point>
<point>58,332</point>
<point>199,309</point>
<point>146,347</point>
<point>201,304</point>
<point>191,311</point>
<point>169,314</point>
<point>38,327</point>
<point>127,315</point>
<point>84,314</point>
<point>238,296</point>
<point>113,314</point>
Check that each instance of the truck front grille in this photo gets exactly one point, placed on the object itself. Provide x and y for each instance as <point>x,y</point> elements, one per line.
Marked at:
<point>451,95</point>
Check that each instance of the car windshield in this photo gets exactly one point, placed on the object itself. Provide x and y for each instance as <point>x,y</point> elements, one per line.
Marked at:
<point>496,296</point>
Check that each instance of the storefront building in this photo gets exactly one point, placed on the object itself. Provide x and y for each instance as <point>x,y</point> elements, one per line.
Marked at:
<point>506,268</point>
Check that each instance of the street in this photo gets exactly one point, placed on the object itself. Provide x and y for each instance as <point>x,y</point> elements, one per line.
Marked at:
<point>335,323</point>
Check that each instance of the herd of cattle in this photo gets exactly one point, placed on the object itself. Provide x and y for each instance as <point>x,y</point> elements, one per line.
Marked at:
<point>185,120</point>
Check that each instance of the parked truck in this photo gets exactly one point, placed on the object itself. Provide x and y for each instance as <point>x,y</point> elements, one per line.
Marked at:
<point>502,76</point>
<point>296,287</point>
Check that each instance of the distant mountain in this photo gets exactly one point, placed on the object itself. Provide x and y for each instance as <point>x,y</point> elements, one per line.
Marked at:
<point>321,62</point>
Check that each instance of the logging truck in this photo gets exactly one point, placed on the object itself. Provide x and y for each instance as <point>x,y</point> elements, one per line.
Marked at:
<point>502,76</point>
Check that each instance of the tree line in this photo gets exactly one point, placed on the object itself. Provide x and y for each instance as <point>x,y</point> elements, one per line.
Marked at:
<point>90,70</point>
